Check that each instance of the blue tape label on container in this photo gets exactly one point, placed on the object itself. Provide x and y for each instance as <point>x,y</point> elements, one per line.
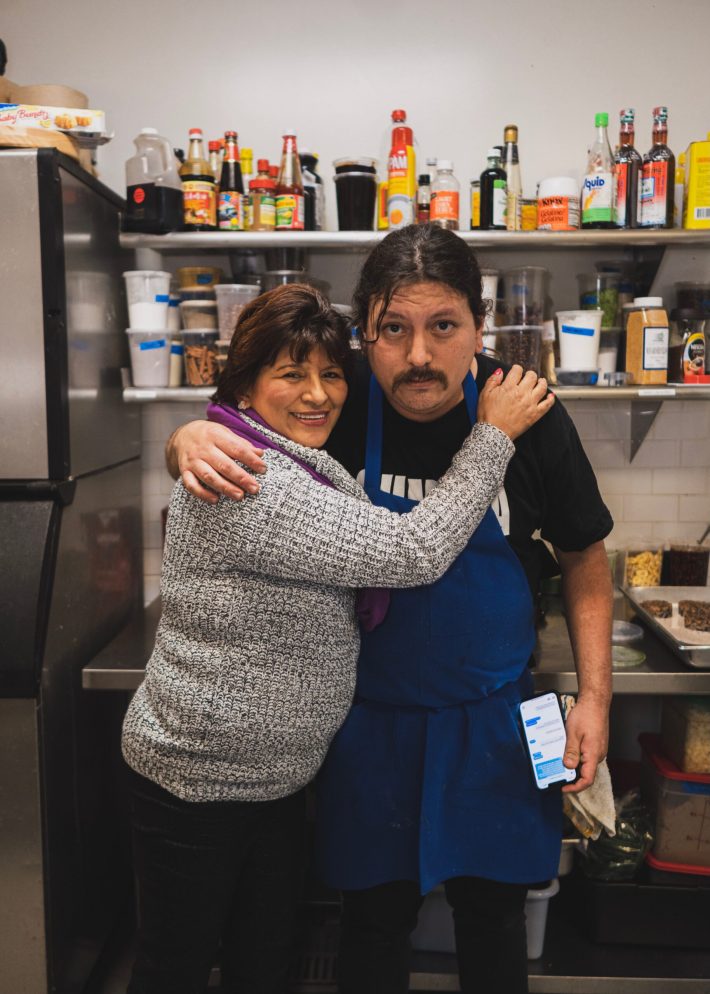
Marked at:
<point>159,343</point>
<point>176,348</point>
<point>162,298</point>
<point>571,329</point>
<point>204,279</point>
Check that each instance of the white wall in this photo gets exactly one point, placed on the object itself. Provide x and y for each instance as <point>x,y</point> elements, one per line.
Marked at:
<point>334,72</point>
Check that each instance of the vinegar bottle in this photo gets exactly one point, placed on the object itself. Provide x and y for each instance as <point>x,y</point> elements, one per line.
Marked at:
<point>514,182</point>
<point>290,204</point>
<point>493,193</point>
<point>658,179</point>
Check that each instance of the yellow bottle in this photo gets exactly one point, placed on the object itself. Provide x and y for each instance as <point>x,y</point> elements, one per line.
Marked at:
<point>401,174</point>
<point>679,193</point>
<point>696,212</point>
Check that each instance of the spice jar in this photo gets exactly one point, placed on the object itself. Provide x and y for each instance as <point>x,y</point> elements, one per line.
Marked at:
<point>647,341</point>
<point>643,565</point>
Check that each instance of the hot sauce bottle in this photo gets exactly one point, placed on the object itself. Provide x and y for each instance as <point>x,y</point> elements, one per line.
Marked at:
<point>290,200</point>
<point>231,187</point>
<point>657,182</point>
<point>198,188</point>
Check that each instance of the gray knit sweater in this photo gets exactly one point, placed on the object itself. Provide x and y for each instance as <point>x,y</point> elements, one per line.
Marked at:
<point>253,669</point>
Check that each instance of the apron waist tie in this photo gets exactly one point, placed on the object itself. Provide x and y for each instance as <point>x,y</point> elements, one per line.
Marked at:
<point>511,691</point>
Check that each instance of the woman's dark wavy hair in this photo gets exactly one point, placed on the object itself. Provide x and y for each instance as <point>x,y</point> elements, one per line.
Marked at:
<point>419,253</point>
<point>295,315</point>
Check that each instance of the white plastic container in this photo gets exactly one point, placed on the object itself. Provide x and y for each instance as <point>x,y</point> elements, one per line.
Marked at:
<point>435,928</point>
<point>174,312</point>
<point>579,333</point>
<point>232,298</point>
<point>148,292</point>
<point>558,204</point>
<point>150,357</point>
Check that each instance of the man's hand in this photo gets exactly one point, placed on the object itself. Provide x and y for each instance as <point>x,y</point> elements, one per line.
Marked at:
<point>203,454</point>
<point>587,740</point>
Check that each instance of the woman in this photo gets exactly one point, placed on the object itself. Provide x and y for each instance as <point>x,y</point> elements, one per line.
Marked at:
<point>253,669</point>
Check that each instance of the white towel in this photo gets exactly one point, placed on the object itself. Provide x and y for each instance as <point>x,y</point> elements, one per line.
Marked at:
<point>593,809</point>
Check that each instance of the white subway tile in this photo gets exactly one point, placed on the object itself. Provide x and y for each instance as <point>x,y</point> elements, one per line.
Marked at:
<point>151,588</point>
<point>157,480</point>
<point>614,421</point>
<point>680,481</point>
<point>640,507</point>
<point>586,424</point>
<point>626,532</point>
<point>694,509</point>
<point>657,454</point>
<point>615,503</point>
<point>695,452</point>
<point>152,533</point>
<point>625,481</point>
<point>606,454</point>
<point>696,422</point>
<point>667,423</point>
<point>152,561</point>
<point>670,531</point>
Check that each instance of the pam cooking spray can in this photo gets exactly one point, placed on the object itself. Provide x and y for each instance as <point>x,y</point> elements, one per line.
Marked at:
<point>401,174</point>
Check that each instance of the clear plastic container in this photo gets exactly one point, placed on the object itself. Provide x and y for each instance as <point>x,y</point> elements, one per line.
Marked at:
<point>682,805</point>
<point>199,276</point>
<point>232,298</point>
<point>685,732</point>
<point>198,313</point>
<point>222,353</point>
<point>148,293</point>
<point>489,292</point>
<point>600,291</point>
<point>579,333</point>
<point>643,564</point>
<point>525,292</point>
<point>150,357</point>
<point>520,344</point>
<point>200,356</point>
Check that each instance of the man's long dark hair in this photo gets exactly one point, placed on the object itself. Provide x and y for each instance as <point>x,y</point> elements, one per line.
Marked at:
<point>419,253</point>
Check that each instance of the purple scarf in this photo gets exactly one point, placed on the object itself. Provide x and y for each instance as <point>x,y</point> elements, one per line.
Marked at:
<point>372,603</point>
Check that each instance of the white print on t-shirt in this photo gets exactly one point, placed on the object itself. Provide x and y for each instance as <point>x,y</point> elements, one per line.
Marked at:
<point>415,489</point>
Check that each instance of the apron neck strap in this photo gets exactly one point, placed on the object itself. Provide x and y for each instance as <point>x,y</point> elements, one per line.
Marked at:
<point>373,450</point>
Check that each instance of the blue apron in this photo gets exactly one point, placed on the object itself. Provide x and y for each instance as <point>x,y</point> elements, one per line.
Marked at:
<point>428,778</point>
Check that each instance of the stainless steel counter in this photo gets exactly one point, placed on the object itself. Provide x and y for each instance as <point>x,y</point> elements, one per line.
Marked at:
<point>121,665</point>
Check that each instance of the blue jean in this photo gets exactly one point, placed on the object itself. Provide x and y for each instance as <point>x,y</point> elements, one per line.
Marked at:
<point>217,881</point>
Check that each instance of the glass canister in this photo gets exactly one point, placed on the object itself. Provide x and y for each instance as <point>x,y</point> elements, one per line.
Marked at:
<point>688,564</point>
<point>600,291</point>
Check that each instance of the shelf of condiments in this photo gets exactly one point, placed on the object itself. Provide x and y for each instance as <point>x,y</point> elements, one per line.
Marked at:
<point>613,338</point>
<point>219,190</point>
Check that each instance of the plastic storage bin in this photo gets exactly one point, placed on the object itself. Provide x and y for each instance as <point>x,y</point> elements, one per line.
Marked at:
<point>682,805</point>
<point>685,732</point>
<point>435,930</point>
<point>150,357</point>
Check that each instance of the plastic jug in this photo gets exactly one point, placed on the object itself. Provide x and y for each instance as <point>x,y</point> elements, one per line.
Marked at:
<point>153,187</point>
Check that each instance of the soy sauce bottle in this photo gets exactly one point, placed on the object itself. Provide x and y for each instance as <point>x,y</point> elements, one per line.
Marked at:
<point>658,179</point>
<point>493,193</point>
<point>628,169</point>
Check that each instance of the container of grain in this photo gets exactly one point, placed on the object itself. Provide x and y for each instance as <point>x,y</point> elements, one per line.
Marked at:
<point>643,562</point>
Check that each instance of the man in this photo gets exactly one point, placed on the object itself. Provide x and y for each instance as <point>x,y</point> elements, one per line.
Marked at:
<point>427,780</point>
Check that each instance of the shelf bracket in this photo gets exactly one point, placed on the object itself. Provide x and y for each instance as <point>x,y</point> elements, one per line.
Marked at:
<point>643,414</point>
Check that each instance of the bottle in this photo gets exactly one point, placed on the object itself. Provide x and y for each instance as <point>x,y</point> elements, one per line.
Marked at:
<point>290,206</point>
<point>153,188</point>
<point>598,187</point>
<point>514,183</point>
<point>475,204</point>
<point>246,159</point>
<point>230,209</point>
<point>198,187</point>
<point>313,191</point>
<point>658,179</point>
<point>493,193</point>
<point>647,342</point>
<point>214,157</point>
<point>263,199</point>
<point>679,192</point>
<point>401,174</point>
<point>628,165</point>
<point>382,222</point>
<point>696,202</point>
<point>444,208</point>
<point>424,198</point>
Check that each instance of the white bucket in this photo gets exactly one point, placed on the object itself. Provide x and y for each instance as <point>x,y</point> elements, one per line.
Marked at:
<point>148,292</point>
<point>579,333</point>
<point>435,928</point>
<point>150,357</point>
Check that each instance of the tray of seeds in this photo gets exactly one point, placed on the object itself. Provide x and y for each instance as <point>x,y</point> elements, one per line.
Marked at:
<point>680,616</point>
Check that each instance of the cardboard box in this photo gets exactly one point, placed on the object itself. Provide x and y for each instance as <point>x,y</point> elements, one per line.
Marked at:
<point>68,120</point>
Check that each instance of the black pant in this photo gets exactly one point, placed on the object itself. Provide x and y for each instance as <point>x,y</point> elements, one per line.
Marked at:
<point>489,923</point>
<point>210,873</point>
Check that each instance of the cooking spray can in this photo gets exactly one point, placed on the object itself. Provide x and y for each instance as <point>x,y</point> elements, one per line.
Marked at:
<point>401,174</point>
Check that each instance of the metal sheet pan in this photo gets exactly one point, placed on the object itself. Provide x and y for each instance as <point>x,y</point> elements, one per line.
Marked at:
<point>697,656</point>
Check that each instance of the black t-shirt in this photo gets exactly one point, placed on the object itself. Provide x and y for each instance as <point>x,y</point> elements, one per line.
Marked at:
<point>549,486</point>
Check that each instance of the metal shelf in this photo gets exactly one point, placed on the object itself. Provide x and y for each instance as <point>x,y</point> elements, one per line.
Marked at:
<point>361,241</point>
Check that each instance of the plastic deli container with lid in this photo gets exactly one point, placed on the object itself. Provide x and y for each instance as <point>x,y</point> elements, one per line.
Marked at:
<point>200,356</point>
<point>199,313</point>
<point>685,733</point>
<point>558,204</point>
<point>520,343</point>
<point>525,291</point>
<point>600,291</point>
<point>682,805</point>
<point>579,334</point>
<point>150,357</point>
<point>232,298</point>
<point>148,293</point>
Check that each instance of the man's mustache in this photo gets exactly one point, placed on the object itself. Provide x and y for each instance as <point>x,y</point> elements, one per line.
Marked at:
<point>420,376</point>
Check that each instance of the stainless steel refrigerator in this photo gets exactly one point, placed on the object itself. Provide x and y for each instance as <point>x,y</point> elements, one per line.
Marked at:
<point>70,566</point>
